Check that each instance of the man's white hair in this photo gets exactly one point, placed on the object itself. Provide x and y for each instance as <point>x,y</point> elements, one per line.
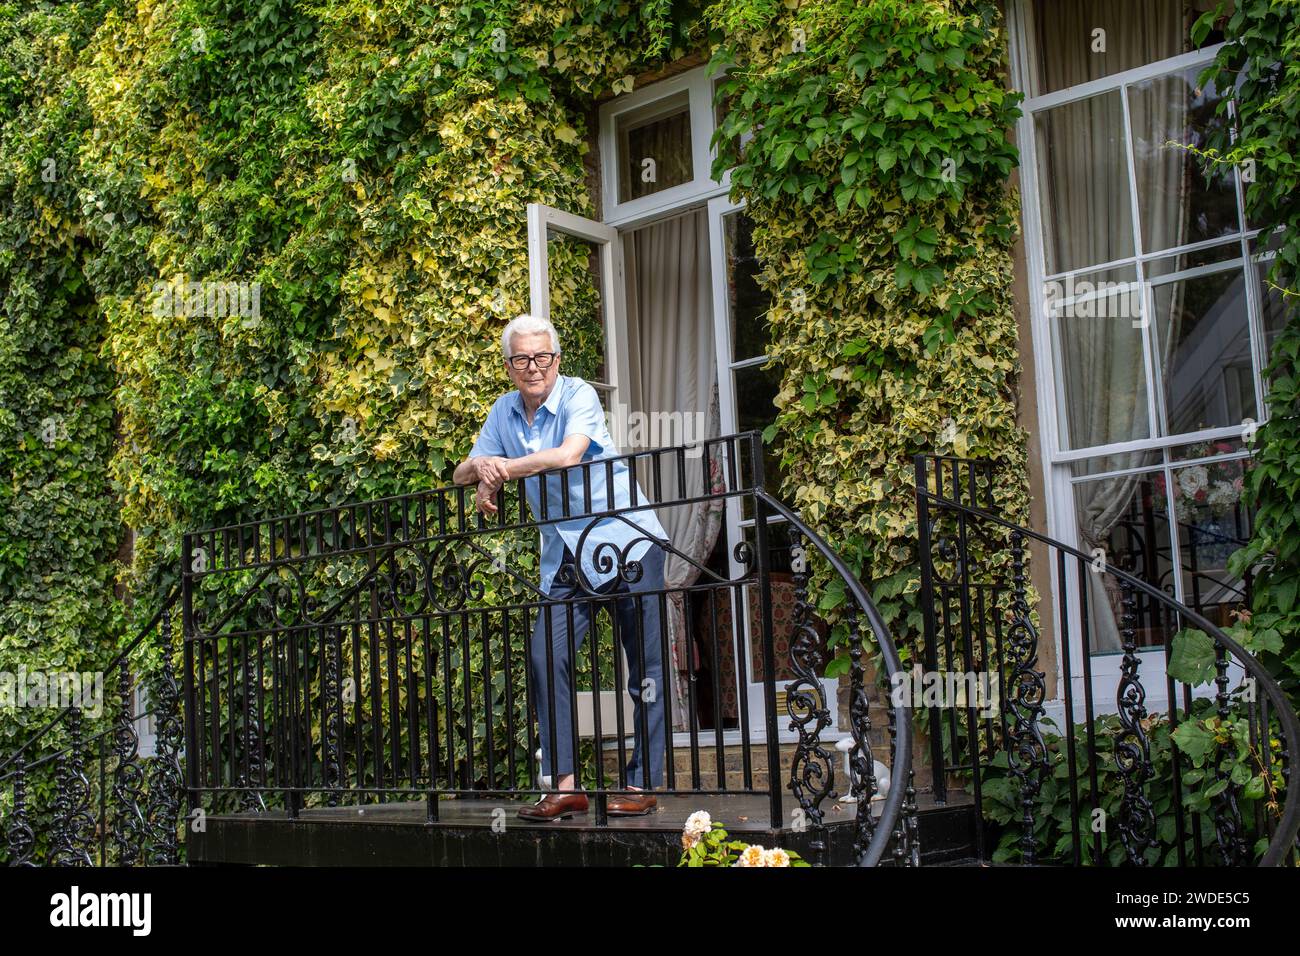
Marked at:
<point>528,325</point>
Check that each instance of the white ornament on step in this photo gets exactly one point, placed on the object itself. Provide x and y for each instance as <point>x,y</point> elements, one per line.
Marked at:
<point>878,770</point>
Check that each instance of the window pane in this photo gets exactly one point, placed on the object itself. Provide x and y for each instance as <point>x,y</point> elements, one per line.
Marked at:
<point>1206,449</point>
<point>1105,293</point>
<point>1069,50</point>
<point>654,147</point>
<point>1126,518</point>
<point>1177,204</point>
<point>578,305</point>
<point>747,304</point>
<point>1276,311</point>
<point>756,389</point>
<point>1212,524</point>
<point>1104,387</point>
<point>1204,346</point>
<point>1104,464</point>
<point>1083,183</point>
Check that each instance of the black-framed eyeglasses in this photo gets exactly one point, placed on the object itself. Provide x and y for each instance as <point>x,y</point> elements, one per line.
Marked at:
<point>543,360</point>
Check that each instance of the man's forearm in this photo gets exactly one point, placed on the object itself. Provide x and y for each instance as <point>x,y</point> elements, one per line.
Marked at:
<point>543,460</point>
<point>495,469</point>
<point>466,472</point>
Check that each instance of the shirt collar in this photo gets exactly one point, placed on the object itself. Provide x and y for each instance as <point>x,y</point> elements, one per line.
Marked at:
<point>552,403</point>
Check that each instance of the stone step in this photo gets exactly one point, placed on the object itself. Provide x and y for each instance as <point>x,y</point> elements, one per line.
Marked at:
<point>733,765</point>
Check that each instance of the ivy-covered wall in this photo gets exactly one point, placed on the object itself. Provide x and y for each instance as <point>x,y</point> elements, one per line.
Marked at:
<point>877,179</point>
<point>60,525</point>
<point>365,166</point>
<point>1261,68</point>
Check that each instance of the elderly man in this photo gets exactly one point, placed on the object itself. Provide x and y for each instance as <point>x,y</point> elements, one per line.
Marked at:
<point>555,421</point>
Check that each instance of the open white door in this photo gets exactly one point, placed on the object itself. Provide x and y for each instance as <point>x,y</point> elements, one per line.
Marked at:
<point>548,225</point>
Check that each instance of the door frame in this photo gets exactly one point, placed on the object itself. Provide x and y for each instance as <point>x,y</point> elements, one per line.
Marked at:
<point>719,208</point>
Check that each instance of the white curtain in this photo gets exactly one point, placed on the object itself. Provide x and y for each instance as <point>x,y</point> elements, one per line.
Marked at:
<point>1137,32</point>
<point>1087,213</point>
<point>674,372</point>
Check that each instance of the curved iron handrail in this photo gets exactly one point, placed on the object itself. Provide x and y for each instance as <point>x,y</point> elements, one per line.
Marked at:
<point>168,603</point>
<point>1284,838</point>
<point>901,759</point>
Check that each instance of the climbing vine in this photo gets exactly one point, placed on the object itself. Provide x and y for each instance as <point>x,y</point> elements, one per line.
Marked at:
<point>359,172</point>
<point>876,178</point>
<point>59,513</point>
<point>1259,70</point>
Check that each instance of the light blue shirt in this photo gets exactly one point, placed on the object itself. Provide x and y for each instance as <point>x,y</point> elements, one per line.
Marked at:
<point>571,408</point>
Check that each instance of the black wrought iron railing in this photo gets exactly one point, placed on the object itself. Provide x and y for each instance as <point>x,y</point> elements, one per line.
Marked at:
<point>1142,539</point>
<point>100,783</point>
<point>380,651</point>
<point>1176,753</point>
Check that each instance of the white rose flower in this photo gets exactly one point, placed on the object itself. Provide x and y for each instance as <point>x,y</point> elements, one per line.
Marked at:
<point>1222,495</point>
<point>1194,479</point>
<point>698,824</point>
<point>752,855</point>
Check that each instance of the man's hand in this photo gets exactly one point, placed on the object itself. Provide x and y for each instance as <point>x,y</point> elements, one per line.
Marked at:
<point>492,471</point>
<point>483,500</point>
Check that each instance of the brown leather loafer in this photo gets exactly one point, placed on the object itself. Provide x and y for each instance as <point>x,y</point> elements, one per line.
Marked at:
<point>556,806</point>
<point>631,804</point>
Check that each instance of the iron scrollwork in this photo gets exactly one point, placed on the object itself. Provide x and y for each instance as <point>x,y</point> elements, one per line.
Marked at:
<point>20,838</point>
<point>862,777</point>
<point>812,772</point>
<point>165,779</point>
<point>1026,751</point>
<point>128,777</point>
<point>906,836</point>
<point>74,826</point>
<point>1137,821</point>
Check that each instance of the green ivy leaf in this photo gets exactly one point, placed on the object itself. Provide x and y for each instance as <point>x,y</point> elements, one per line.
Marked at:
<point>1192,658</point>
<point>1194,740</point>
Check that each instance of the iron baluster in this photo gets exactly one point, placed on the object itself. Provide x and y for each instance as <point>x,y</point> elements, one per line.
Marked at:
<point>862,777</point>
<point>20,838</point>
<point>1026,753</point>
<point>812,770</point>
<point>129,825</point>
<point>165,779</point>
<point>333,718</point>
<point>906,839</point>
<point>1137,821</point>
<point>74,829</point>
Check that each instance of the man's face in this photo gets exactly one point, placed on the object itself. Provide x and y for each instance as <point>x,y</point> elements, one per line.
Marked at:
<point>532,382</point>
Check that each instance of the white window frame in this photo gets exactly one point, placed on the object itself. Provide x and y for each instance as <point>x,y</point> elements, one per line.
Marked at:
<point>1058,479</point>
<point>542,220</point>
<point>699,87</point>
